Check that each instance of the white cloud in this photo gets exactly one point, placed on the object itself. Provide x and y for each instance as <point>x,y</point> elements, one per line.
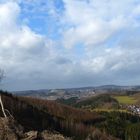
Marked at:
<point>94,22</point>
<point>19,44</point>
<point>27,57</point>
<point>110,36</point>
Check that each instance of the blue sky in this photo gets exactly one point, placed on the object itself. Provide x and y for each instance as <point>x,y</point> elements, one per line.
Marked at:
<point>42,16</point>
<point>69,43</point>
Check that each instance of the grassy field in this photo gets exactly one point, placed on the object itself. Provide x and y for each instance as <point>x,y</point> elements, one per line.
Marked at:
<point>108,110</point>
<point>125,99</point>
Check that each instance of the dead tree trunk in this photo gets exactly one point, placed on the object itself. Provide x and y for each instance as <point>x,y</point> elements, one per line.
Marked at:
<point>2,107</point>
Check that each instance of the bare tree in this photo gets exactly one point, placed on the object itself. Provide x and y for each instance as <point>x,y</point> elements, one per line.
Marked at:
<point>1,103</point>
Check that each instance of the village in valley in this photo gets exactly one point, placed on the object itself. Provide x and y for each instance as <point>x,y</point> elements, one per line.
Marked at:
<point>132,108</point>
<point>135,109</point>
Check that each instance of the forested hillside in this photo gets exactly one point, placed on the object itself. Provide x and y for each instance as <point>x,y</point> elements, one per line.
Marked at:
<point>39,115</point>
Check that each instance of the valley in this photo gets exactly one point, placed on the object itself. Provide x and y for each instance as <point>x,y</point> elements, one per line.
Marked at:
<point>108,114</point>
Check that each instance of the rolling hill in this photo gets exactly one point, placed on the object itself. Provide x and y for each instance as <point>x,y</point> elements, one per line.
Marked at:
<point>39,116</point>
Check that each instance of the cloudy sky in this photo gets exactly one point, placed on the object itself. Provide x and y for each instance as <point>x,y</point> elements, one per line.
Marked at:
<point>69,43</point>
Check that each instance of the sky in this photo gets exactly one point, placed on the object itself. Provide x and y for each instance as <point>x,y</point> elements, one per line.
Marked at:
<point>69,43</point>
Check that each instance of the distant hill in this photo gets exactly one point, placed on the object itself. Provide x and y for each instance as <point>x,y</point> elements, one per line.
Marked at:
<point>83,92</point>
<point>99,101</point>
<point>53,94</point>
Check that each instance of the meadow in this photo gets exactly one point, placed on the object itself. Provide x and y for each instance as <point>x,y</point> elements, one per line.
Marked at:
<point>125,99</point>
